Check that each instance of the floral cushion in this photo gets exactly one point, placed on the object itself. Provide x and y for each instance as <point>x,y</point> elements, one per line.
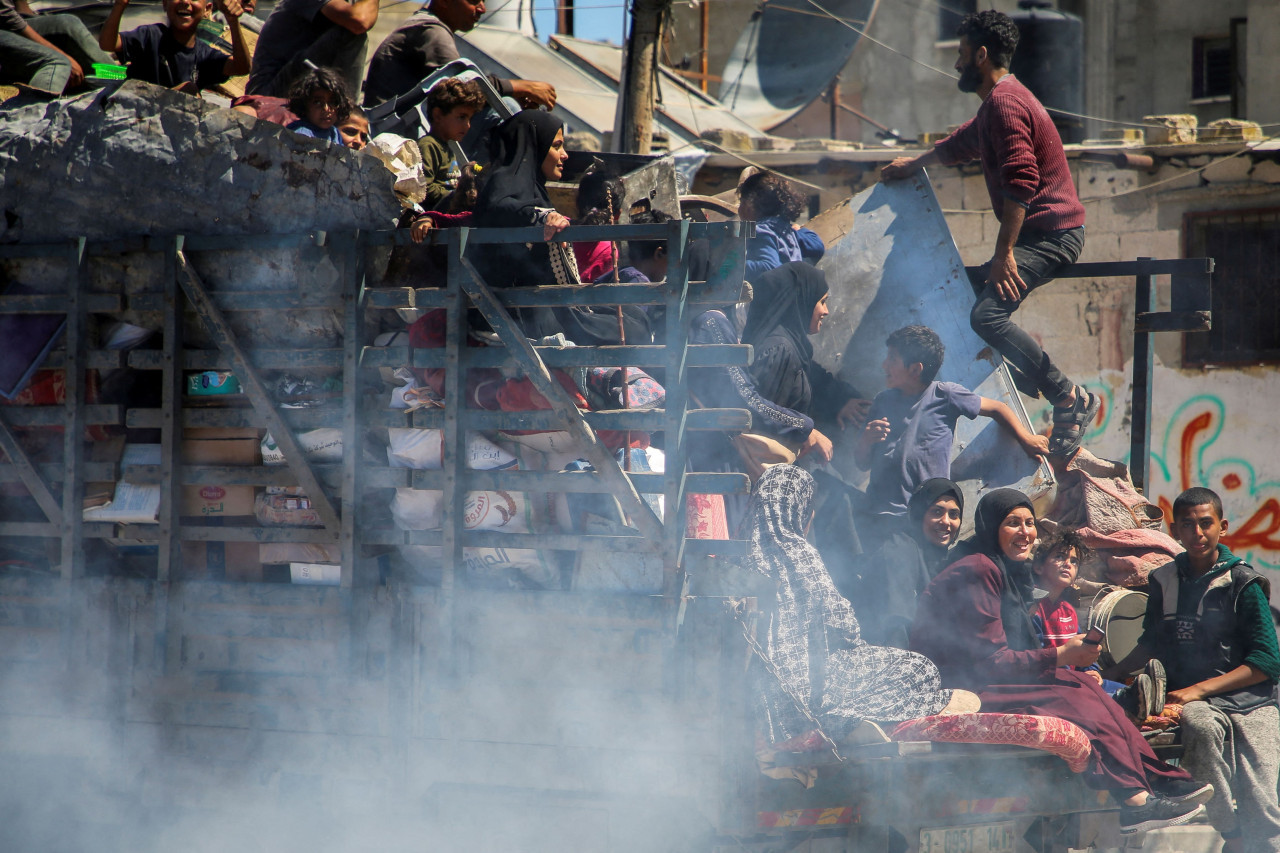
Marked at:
<point>1064,739</point>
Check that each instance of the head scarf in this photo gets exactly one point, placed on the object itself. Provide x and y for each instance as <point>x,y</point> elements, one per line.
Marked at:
<point>929,493</point>
<point>516,186</point>
<point>783,300</point>
<point>815,662</point>
<point>1016,600</point>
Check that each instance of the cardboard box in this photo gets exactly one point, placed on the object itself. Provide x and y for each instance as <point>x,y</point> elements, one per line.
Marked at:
<point>233,561</point>
<point>217,501</point>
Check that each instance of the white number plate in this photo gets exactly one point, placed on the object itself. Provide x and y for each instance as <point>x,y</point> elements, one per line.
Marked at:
<point>980,838</point>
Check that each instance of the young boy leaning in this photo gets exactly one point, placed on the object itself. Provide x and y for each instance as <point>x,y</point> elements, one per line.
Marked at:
<point>169,54</point>
<point>1209,622</point>
<point>451,105</point>
<point>911,425</point>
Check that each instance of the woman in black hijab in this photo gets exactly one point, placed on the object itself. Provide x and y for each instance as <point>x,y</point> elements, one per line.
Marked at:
<point>526,151</point>
<point>974,622</point>
<point>788,306</point>
<point>893,576</point>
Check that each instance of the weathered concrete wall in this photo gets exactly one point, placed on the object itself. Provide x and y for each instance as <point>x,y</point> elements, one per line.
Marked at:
<point>134,159</point>
<point>1211,427</point>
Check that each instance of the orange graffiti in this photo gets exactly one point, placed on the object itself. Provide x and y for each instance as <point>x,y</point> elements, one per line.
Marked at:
<point>1262,529</point>
<point>1259,531</point>
<point>1199,424</point>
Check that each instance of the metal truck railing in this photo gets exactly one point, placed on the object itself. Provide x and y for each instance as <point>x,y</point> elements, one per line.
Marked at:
<point>240,291</point>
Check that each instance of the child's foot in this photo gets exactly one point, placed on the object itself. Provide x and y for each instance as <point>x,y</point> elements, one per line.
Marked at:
<point>1070,423</point>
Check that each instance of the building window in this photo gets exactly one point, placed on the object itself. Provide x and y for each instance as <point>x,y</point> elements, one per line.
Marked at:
<point>1212,67</point>
<point>950,13</point>
<point>1245,247</point>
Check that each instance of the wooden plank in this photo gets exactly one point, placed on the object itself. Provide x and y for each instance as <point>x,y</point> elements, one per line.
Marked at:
<point>49,303</point>
<point>230,475</point>
<point>170,556</point>
<point>257,394</point>
<point>264,359</point>
<point>536,372</point>
<point>43,416</point>
<point>352,429</point>
<point>538,481</point>
<point>93,472</point>
<point>230,417</point>
<point>27,473</point>
<point>196,533</point>
<point>555,295</point>
<point>677,341</point>
<point>700,355</point>
<point>648,420</point>
<point>74,416</point>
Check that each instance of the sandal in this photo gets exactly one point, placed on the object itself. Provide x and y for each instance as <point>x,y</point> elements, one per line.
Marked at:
<point>1069,425</point>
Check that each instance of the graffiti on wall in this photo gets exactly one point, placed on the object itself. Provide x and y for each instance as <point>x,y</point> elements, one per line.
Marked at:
<point>1208,430</point>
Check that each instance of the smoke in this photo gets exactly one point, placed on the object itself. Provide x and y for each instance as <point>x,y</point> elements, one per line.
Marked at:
<point>274,718</point>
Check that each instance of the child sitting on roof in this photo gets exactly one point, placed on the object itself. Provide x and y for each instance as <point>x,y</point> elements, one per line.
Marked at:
<point>169,54</point>
<point>911,426</point>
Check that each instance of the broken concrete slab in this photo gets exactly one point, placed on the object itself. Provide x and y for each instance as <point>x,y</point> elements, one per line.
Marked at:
<point>135,159</point>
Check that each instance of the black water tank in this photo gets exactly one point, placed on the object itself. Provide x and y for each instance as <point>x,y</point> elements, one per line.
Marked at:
<point>1050,62</point>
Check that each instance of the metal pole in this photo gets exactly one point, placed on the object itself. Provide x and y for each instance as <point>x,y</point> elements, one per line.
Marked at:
<point>1143,366</point>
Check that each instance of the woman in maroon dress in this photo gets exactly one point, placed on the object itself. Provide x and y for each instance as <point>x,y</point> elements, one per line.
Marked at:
<point>974,622</point>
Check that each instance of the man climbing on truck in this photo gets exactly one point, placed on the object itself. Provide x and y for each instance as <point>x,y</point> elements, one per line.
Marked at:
<point>1034,198</point>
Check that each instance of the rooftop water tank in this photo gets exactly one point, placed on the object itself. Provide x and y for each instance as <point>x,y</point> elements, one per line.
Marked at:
<point>1050,62</point>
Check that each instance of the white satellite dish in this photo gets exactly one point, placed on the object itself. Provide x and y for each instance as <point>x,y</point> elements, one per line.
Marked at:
<point>789,53</point>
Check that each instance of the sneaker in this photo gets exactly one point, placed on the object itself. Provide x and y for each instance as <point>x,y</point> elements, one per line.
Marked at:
<point>1159,682</point>
<point>1144,695</point>
<point>1184,791</point>
<point>1156,813</point>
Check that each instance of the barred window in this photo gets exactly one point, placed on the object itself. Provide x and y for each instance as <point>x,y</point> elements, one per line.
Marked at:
<point>1245,247</point>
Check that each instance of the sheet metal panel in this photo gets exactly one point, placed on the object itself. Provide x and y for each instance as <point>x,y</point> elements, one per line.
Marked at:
<point>897,265</point>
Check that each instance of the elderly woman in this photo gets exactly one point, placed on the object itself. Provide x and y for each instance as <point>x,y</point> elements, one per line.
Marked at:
<point>974,621</point>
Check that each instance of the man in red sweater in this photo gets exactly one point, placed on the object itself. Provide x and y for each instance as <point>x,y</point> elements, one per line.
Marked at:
<point>1034,198</point>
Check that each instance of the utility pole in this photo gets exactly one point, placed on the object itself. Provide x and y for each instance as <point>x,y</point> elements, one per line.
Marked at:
<point>633,129</point>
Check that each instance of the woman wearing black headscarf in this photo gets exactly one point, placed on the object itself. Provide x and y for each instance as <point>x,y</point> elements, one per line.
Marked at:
<point>526,151</point>
<point>974,622</point>
<point>788,306</point>
<point>892,577</point>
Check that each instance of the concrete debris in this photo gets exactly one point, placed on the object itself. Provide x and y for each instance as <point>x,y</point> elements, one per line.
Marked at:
<point>1231,130</point>
<point>133,159</point>
<point>1170,129</point>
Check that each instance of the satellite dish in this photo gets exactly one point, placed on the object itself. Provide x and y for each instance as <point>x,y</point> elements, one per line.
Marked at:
<point>789,53</point>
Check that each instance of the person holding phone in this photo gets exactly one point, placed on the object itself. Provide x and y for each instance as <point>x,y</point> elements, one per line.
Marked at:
<point>1055,567</point>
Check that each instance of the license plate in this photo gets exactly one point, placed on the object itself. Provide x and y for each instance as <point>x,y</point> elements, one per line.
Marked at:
<point>979,838</point>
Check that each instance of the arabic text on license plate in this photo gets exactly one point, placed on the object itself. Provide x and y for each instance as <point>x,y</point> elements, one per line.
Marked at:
<point>980,838</point>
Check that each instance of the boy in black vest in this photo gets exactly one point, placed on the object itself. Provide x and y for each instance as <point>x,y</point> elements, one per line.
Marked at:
<point>1209,621</point>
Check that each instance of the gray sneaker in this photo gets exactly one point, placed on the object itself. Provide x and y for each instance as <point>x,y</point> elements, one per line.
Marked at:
<point>1157,813</point>
<point>1144,691</point>
<point>1155,670</point>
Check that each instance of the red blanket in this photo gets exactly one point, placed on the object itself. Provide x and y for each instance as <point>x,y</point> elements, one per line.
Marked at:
<point>1063,739</point>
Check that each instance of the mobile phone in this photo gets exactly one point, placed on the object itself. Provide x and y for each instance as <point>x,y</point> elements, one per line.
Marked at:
<point>1094,635</point>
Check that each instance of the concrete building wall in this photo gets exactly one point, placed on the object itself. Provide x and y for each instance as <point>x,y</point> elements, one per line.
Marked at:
<point>1211,426</point>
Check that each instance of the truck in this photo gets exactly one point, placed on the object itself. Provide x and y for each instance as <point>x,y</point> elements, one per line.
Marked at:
<point>166,686</point>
